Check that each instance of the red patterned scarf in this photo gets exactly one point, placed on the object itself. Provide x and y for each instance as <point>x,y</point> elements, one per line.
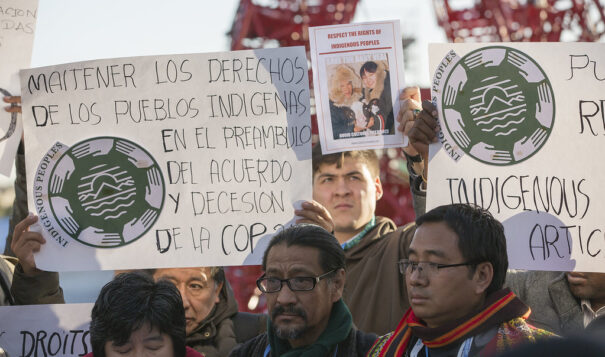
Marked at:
<point>499,307</point>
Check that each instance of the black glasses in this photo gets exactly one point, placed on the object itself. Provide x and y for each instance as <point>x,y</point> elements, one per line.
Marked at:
<point>407,266</point>
<point>299,283</point>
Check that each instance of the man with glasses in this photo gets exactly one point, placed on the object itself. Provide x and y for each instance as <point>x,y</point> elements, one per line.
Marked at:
<point>561,302</point>
<point>303,280</point>
<point>454,275</point>
<point>346,188</point>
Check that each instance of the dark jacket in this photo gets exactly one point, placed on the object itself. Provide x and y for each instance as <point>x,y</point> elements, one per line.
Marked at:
<point>375,291</point>
<point>16,288</point>
<point>20,209</point>
<point>217,335</point>
<point>357,343</point>
<point>547,294</point>
<point>41,288</point>
<point>7,266</point>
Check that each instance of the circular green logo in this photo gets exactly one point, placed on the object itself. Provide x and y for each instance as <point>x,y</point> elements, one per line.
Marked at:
<point>106,191</point>
<point>498,105</point>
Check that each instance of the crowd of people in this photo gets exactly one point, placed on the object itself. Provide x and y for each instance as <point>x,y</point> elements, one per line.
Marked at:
<point>342,281</point>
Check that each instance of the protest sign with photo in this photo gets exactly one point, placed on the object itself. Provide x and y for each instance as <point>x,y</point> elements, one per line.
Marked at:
<point>357,76</point>
<point>167,161</point>
<point>45,330</point>
<point>522,128</point>
<point>17,26</point>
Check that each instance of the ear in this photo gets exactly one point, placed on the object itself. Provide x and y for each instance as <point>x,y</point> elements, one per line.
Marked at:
<point>378,185</point>
<point>338,284</point>
<point>217,292</point>
<point>484,274</point>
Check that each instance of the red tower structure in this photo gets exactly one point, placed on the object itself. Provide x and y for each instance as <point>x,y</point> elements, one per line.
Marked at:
<point>273,23</point>
<point>517,20</point>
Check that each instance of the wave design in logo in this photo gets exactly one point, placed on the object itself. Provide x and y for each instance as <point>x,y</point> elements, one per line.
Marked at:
<point>107,192</point>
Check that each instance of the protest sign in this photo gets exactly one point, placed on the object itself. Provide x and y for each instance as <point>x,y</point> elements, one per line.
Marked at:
<point>522,128</point>
<point>357,76</point>
<point>45,330</point>
<point>17,25</point>
<point>167,161</point>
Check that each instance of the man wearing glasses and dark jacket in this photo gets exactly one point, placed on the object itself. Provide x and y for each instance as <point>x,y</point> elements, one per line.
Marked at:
<point>303,280</point>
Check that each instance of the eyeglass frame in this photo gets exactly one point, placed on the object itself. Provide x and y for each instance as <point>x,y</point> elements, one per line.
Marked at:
<point>316,280</point>
<point>402,270</point>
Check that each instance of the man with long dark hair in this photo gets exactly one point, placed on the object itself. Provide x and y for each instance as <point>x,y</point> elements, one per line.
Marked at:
<point>303,280</point>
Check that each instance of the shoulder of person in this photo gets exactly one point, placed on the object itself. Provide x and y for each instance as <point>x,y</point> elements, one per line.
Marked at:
<point>519,331</point>
<point>390,234</point>
<point>248,325</point>
<point>251,348</point>
<point>364,341</point>
<point>190,352</point>
<point>8,262</point>
<point>529,278</point>
<point>379,345</point>
<point>7,268</point>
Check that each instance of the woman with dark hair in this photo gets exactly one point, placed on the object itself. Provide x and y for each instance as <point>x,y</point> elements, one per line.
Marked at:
<point>377,95</point>
<point>135,316</point>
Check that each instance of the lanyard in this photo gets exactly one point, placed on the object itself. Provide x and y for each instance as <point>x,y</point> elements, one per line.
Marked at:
<point>268,349</point>
<point>464,351</point>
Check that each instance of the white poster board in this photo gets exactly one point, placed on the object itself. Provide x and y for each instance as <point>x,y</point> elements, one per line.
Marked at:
<point>167,161</point>
<point>45,330</point>
<point>523,131</point>
<point>357,77</point>
<point>17,26</point>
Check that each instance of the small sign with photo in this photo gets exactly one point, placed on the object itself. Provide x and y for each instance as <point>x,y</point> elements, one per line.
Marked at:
<point>357,71</point>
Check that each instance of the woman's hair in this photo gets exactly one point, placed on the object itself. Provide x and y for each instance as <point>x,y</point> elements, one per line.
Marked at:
<point>132,301</point>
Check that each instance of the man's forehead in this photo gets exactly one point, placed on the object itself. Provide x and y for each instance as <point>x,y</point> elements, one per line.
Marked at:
<point>434,238</point>
<point>199,273</point>
<point>368,73</point>
<point>349,163</point>
<point>292,259</point>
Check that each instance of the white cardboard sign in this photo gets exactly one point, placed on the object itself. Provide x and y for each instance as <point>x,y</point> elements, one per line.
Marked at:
<point>357,76</point>
<point>167,161</point>
<point>17,26</point>
<point>523,129</point>
<point>45,330</point>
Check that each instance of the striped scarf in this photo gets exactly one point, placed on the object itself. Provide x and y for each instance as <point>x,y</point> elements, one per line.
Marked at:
<point>500,307</point>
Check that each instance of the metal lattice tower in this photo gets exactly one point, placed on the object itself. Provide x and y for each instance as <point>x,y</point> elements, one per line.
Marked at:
<point>521,20</point>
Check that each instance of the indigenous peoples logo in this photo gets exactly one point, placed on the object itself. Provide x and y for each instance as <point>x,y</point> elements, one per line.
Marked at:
<point>102,192</point>
<point>498,105</point>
